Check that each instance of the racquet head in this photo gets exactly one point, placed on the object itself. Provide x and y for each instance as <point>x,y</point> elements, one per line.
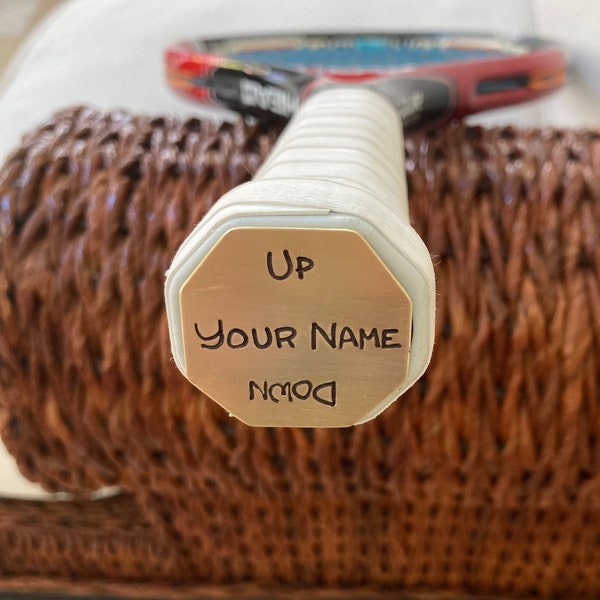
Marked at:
<point>430,78</point>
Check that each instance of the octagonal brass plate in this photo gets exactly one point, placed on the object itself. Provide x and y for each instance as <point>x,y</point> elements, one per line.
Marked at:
<point>295,327</point>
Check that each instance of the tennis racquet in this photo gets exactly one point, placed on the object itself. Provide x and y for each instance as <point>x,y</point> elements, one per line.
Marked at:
<point>429,78</point>
<point>304,297</point>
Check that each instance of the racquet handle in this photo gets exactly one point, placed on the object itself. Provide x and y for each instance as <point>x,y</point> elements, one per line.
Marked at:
<point>350,136</point>
<point>304,297</point>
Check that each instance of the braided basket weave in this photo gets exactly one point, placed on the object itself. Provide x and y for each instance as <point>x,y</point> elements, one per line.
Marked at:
<point>483,479</point>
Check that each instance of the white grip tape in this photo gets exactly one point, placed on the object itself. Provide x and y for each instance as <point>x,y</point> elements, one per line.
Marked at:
<point>350,134</point>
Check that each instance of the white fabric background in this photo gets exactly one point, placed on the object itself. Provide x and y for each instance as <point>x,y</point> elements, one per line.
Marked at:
<point>109,53</point>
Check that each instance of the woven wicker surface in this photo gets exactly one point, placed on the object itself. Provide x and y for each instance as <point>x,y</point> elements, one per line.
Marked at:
<point>483,479</point>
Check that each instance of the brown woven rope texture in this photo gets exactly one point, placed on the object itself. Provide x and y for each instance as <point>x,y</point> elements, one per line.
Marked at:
<point>483,479</point>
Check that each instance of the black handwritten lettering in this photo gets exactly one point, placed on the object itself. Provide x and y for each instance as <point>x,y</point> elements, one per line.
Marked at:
<point>316,328</point>
<point>323,393</point>
<point>347,337</point>
<point>304,264</point>
<point>332,393</point>
<point>242,338</point>
<point>285,391</point>
<point>218,336</point>
<point>386,339</point>
<point>372,335</point>
<point>267,343</point>
<point>285,335</point>
<point>236,338</point>
<point>303,383</point>
<point>252,385</point>
<point>289,266</point>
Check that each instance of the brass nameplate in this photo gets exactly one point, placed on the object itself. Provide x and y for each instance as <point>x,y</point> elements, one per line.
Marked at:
<point>295,327</point>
